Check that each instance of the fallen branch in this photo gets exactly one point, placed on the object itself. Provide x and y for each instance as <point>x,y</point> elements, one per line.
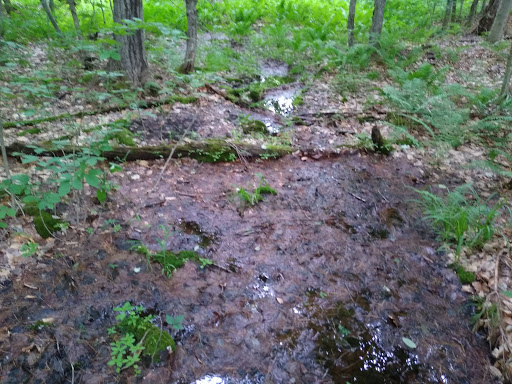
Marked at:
<point>208,151</point>
<point>140,104</point>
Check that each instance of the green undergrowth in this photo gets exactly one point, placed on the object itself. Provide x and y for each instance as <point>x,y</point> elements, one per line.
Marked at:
<point>465,277</point>
<point>461,217</point>
<point>170,261</point>
<point>135,336</point>
<point>44,222</point>
<point>257,195</point>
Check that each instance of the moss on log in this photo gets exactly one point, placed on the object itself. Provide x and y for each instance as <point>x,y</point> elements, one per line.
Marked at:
<point>208,151</point>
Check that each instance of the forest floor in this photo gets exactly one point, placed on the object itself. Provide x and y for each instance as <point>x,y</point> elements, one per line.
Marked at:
<point>341,247</point>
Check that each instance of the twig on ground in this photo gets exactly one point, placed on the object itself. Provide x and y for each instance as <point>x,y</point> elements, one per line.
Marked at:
<point>170,155</point>
<point>357,197</point>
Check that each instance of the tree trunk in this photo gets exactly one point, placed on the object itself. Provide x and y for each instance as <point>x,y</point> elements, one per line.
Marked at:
<point>190,55</point>
<point>103,13</point>
<point>351,21</point>
<point>500,21</point>
<point>484,5</point>
<point>72,9</point>
<point>472,12</point>
<point>8,6</point>
<point>377,21</point>
<point>51,4</point>
<point>447,14</point>
<point>506,81</point>
<point>487,19</point>
<point>460,9</point>
<point>4,151</point>
<point>46,8</point>
<point>454,10</point>
<point>133,53</point>
<point>2,16</point>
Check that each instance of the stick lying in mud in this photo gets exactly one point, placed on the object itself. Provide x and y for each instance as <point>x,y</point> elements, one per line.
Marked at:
<point>172,153</point>
<point>358,198</point>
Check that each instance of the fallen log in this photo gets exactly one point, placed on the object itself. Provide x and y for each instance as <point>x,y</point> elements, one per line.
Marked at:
<point>208,151</point>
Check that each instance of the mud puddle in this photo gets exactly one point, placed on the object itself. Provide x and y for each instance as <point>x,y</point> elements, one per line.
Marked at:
<point>302,291</point>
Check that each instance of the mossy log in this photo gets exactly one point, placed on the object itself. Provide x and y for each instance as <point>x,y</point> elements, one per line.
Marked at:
<point>140,104</point>
<point>209,151</point>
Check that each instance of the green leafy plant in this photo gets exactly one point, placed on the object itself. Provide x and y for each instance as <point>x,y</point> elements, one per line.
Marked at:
<point>461,217</point>
<point>135,335</point>
<point>256,196</point>
<point>364,141</point>
<point>205,262</point>
<point>344,332</point>
<point>170,261</point>
<point>29,249</point>
<point>175,322</point>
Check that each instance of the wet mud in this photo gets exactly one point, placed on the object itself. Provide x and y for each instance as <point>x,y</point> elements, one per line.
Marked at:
<point>319,283</point>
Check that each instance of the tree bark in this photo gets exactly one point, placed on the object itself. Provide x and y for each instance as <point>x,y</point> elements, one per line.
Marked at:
<point>1,20</point>
<point>76,22</point>
<point>8,6</point>
<point>488,16</point>
<point>447,14</point>
<point>377,21</point>
<point>454,11</point>
<point>461,7</point>
<point>472,12</point>
<point>484,5</point>
<point>505,89</point>
<point>500,21</point>
<point>209,150</point>
<point>351,21</point>
<point>190,55</point>
<point>46,8</point>
<point>133,53</point>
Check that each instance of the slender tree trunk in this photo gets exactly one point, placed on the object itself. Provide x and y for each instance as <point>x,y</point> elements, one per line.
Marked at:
<point>94,13</point>
<point>454,10</point>
<point>190,55</point>
<point>351,21</point>
<point>506,81</point>
<point>447,14</point>
<point>488,16</point>
<point>500,21</point>
<point>8,6</point>
<point>2,16</point>
<point>4,153</point>
<point>46,8</point>
<point>472,12</point>
<point>133,53</point>
<point>51,4</point>
<point>76,22</point>
<point>484,5</point>
<point>377,21</point>
<point>103,12</point>
<point>461,7</point>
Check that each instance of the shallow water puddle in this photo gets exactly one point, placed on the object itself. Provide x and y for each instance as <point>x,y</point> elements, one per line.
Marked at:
<point>192,228</point>
<point>280,100</point>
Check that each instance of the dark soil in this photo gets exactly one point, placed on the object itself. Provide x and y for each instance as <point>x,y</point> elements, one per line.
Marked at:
<point>317,284</point>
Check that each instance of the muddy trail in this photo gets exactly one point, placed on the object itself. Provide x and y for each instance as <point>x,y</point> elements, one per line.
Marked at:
<point>319,283</point>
